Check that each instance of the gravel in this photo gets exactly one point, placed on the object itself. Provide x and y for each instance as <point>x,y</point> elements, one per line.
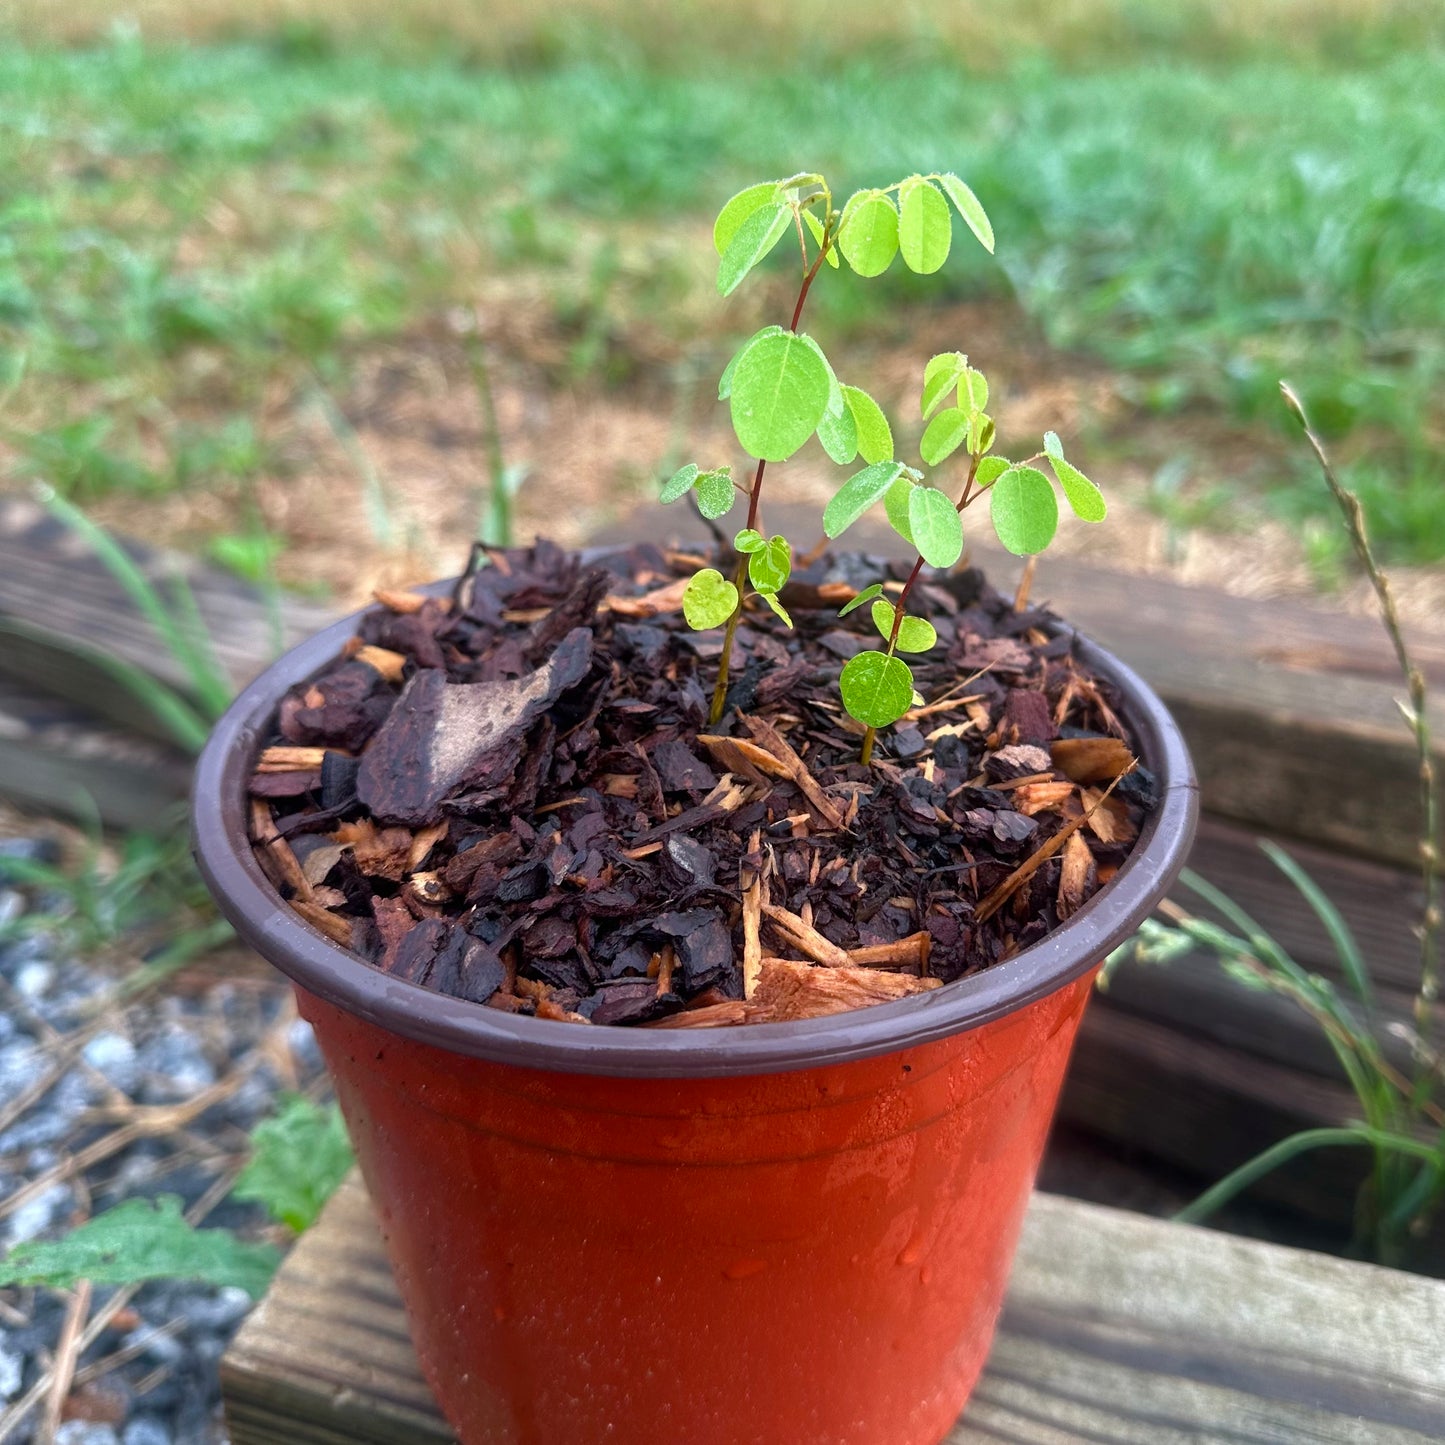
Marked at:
<point>161,1050</point>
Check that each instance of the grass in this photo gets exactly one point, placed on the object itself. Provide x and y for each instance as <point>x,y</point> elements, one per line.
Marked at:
<point>189,231</point>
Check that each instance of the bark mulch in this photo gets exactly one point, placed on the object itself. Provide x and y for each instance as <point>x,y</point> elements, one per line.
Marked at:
<point>512,795</point>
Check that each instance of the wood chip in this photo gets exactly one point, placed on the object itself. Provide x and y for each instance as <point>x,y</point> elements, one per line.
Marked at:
<point>782,752</point>
<point>405,602</point>
<point>910,952</point>
<point>1091,760</point>
<point>425,840</point>
<point>754,890</point>
<point>738,755</point>
<point>713,1016</point>
<point>667,961</point>
<point>283,759</point>
<point>805,938</point>
<point>788,990</point>
<point>664,599</point>
<point>333,925</point>
<point>1041,797</point>
<point>1074,877</point>
<point>389,664</point>
<point>1108,818</point>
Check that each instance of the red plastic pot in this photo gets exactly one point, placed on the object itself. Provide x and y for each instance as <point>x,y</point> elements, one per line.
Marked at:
<point>795,1233</point>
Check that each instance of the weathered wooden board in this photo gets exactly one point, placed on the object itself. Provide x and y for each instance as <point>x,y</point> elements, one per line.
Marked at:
<point>1117,1328</point>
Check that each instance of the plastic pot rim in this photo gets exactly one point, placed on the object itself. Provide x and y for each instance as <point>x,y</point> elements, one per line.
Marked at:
<point>222,846</point>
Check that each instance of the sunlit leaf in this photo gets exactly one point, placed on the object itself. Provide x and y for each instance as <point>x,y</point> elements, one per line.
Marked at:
<point>749,540</point>
<point>710,599</point>
<point>915,634</point>
<point>142,1239</point>
<point>981,432</point>
<point>990,469</point>
<point>725,381</point>
<point>1025,510</point>
<point>680,483</point>
<point>771,599</point>
<point>816,227</point>
<point>769,566</point>
<point>936,526</point>
<point>1053,447</point>
<point>944,435</point>
<point>780,391</point>
<point>925,228</point>
<point>857,494</point>
<point>974,216</point>
<point>875,436</point>
<point>1085,499</point>
<point>895,504</point>
<point>975,386</point>
<point>835,407</point>
<point>298,1160</point>
<point>737,210</point>
<point>757,235</point>
<point>716,493</point>
<point>839,436</point>
<point>877,689</point>
<point>868,233</point>
<point>873,590</point>
<point>940,376</point>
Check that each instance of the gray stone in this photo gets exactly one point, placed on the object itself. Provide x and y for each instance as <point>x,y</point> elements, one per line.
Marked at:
<point>12,1369</point>
<point>12,905</point>
<point>217,1311</point>
<point>84,1432</point>
<point>145,1430</point>
<point>173,1066</point>
<point>37,1215</point>
<point>114,1057</point>
<point>21,1063</point>
<point>52,1119</point>
<point>33,980</point>
<point>30,850</point>
<point>164,1349</point>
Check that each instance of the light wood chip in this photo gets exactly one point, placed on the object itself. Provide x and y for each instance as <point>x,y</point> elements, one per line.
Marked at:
<point>406,602</point>
<point>805,938</point>
<point>1077,867</point>
<point>290,760</point>
<point>424,841</point>
<point>1042,797</point>
<point>1091,760</point>
<point>664,599</point>
<point>711,1016</point>
<point>754,888</point>
<point>738,755</point>
<point>333,925</point>
<point>388,663</point>
<point>782,751</point>
<point>910,952</point>
<point>789,990</point>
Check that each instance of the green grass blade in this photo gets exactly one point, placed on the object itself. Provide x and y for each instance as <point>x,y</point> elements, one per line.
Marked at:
<point>1352,961</point>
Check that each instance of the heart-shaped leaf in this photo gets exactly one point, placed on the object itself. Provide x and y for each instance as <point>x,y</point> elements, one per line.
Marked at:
<point>780,391</point>
<point>725,381</point>
<point>925,228</point>
<point>716,493</point>
<point>857,494</point>
<point>1025,510</point>
<point>877,689</point>
<point>915,634</point>
<point>769,566</point>
<point>709,600</point>
<point>936,526</point>
<point>749,540</point>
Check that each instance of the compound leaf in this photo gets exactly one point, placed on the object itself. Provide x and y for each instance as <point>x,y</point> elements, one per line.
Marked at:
<point>944,435</point>
<point>974,215</point>
<point>940,376</point>
<point>857,494</point>
<point>925,228</point>
<point>757,235</point>
<point>725,381</point>
<point>709,600</point>
<point>915,634</point>
<point>990,469</point>
<point>875,436</point>
<point>680,483</point>
<point>1085,499</point>
<point>1025,510</point>
<point>737,210</point>
<point>877,689</point>
<point>868,233</point>
<point>936,526</point>
<point>780,392</point>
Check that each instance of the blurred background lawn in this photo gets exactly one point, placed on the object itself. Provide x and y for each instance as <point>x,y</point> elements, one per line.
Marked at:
<point>242,248</point>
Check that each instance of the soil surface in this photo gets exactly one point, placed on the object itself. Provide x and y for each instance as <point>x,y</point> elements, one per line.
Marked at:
<point>514,795</point>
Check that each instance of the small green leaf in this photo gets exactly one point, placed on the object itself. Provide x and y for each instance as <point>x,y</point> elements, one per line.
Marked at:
<point>771,599</point>
<point>857,494</point>
<point>990,469</point>
<point>1085,499</point>
<point>873,590</point>
<point>936,526</point>
<point>925,228</point>
<point>974,216</point>
<point>816,227</point>
<point>895,504</point>
<point>142,1239</point>
<point>754,239</point>
<point>738,209</point>
<point>680,483</point>
<point>944,435</point>
<point>839,436</point>
<point>1025,510</point>
<point>1053,447</point>
<point>298,1159</point>
<point>868,233</point>
<point>749,540</point>
<point>780,392</point>
<point>915,634</point>
<point>716,493</point>
<point>940,376</point>
<point>769,566</point>
<point>725,381</point>
<point>877,689</point>
<point>974,386</point>
<point>981,432</point>
<point>710,599</point>
<point>875,436</point>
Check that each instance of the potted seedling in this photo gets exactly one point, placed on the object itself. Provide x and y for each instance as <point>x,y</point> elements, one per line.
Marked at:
<point>697,975</point>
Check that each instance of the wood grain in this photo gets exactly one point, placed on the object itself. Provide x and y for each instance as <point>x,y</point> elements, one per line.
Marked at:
<point>1117,1328</point>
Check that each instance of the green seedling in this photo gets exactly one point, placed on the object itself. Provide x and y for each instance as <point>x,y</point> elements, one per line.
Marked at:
<point>782,391</point>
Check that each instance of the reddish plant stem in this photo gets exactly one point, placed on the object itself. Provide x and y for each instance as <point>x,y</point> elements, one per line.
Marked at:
<point>720,689</point>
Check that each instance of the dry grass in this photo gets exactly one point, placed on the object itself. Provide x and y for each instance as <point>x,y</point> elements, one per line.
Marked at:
<point>980,32</point>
